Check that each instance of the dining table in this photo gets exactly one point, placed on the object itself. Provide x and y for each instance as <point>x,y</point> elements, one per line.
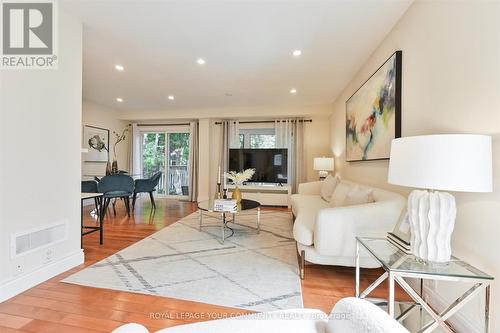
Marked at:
<point>88,229</point>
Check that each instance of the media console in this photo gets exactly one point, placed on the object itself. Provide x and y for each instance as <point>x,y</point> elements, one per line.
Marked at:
<point>265,193</point>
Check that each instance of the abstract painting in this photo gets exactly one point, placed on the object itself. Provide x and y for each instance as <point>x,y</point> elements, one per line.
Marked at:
<point>373,113</point>
<point>96,140</point>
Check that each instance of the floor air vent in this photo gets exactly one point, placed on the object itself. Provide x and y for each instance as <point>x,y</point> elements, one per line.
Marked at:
<point>35,239</point>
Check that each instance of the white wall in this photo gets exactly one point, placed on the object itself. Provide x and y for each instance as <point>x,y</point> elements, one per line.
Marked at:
<point>104,117</point>
<point>451,84</point>
<point>40,117</point>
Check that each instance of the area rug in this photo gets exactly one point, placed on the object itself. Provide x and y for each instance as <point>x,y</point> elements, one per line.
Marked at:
<point>250,270</point>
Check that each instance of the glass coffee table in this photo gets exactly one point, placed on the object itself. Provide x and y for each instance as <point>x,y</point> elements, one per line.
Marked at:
<point>245,204</point>
<point>398,266</point>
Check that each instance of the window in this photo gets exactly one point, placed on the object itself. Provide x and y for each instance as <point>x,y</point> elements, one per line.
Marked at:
<point>257,138</point>
<point>242,140</point>
<point>262,141</point>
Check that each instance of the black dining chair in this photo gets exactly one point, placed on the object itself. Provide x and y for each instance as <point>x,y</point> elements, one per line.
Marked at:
<point>146,186</point>
<point>116,187</point>
<point>90,186</point>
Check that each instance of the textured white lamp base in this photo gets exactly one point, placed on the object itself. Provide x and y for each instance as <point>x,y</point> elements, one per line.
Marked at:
<point>432,219</point>
<point>323,174</point>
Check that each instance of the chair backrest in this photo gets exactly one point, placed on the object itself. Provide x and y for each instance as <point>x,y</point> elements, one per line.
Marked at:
<point>156,178</point>
<point>116,183</point>
<point>89,186</point>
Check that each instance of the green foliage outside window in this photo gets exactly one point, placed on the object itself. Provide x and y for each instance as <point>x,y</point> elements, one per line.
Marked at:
<point>262,141</point>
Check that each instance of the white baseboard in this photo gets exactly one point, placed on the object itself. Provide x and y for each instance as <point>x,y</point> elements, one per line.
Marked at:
<point>23,282</point>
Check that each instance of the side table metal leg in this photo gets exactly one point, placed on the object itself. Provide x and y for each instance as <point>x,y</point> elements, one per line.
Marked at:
<point>421,318</point>
<point>487,310</point>
<point>223,226</point>
<point>258,220</point>
<point>357,269</point>
<point>390,303</point>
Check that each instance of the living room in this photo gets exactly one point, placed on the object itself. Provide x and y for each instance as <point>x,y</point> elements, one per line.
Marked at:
<point>393,104</point>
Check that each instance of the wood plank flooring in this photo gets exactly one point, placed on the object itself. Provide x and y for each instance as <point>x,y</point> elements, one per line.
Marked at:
<point>58,307</point>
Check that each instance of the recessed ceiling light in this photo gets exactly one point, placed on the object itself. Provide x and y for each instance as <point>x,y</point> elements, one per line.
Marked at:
<point>297,53</point>
<point>171,97</point>
<point>293,91</point>
<point>119,67</point>
<point>200,61</point>
<point>119,99</point>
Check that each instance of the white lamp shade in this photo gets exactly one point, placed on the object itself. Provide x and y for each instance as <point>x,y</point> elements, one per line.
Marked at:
<point>449,162</point>
<point>324,164</point>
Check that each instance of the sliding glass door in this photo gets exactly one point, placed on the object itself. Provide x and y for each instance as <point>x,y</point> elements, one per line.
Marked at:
<point>177,163</point>
<point>167,151</point>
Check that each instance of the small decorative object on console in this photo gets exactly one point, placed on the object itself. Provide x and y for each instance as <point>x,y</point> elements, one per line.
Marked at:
<point>118,138</point>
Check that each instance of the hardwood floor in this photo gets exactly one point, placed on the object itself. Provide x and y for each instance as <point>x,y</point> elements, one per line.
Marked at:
<point>54,306</point>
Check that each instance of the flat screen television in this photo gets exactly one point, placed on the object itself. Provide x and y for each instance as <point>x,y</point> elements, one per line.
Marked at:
<point>270,164</point>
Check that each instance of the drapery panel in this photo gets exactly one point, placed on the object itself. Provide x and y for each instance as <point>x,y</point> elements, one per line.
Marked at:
<point>135,160</point>
<point>290,135</point>
<point>193,160</point>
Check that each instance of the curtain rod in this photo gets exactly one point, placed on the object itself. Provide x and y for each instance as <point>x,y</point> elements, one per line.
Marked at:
<point>145,125</point>
<point>265,121</point>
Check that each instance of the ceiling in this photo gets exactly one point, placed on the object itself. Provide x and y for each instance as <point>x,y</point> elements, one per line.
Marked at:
<point>247,46</point>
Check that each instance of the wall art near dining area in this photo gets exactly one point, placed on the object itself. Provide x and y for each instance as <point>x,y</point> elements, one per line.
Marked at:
<point>96,140</point>
<point>373,113</point>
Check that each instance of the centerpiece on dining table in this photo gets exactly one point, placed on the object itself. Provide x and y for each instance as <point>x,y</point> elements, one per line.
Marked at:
<point>238,178</point>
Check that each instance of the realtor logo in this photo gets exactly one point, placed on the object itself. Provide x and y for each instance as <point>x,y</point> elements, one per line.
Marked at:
<point>28,34</point>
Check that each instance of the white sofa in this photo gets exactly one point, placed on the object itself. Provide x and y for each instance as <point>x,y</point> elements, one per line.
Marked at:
<point>350,315</point>
<point>326,235</point>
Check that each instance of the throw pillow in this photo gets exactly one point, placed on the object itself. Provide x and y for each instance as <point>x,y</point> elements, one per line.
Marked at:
<point>359,196</point>
<point>328,187</point>
<point>339,194</point>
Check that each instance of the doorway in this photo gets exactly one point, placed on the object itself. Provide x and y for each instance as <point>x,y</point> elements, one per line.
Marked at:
<point>167,151</point>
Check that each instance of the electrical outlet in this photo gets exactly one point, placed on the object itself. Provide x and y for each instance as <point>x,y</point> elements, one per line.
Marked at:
<point>49,255</point>
<point>18,268</point>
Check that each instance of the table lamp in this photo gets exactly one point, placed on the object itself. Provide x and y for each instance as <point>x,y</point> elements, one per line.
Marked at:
<point>323,165</point>
<point>448,162</point>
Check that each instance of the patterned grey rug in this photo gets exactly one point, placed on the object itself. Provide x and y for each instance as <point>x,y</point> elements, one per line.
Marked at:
<point>250,271</point>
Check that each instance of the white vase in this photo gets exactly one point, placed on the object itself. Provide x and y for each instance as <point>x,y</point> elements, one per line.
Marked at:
<point>432,219</point>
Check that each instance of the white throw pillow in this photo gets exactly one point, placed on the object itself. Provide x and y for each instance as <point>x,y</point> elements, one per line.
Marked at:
<point>358,196</point>
<point>328,187</point>
<point>339,194</point>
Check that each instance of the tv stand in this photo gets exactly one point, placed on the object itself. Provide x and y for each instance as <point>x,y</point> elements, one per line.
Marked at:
<point>268,194</point>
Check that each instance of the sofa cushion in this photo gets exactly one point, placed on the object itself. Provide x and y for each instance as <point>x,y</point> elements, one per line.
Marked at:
<point>340,194</point>
<point>358,196</point>
<point>328,187</point>
<point>305,208</point>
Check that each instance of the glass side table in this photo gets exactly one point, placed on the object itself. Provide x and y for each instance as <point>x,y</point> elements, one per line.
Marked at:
<point>399,265</point>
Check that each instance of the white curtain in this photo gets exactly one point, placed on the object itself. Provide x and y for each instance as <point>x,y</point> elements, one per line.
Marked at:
<point>230,138</point>
<point>234,134</point>
<point>290,135</point>
<point>135,161</point>
<point>193,160</point>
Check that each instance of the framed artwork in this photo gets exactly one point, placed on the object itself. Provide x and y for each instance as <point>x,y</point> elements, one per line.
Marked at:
<point>96,140</point>
<point>373,113</point>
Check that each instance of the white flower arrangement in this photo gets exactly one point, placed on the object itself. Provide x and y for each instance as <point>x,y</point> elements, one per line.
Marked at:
<point>239,177</point>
